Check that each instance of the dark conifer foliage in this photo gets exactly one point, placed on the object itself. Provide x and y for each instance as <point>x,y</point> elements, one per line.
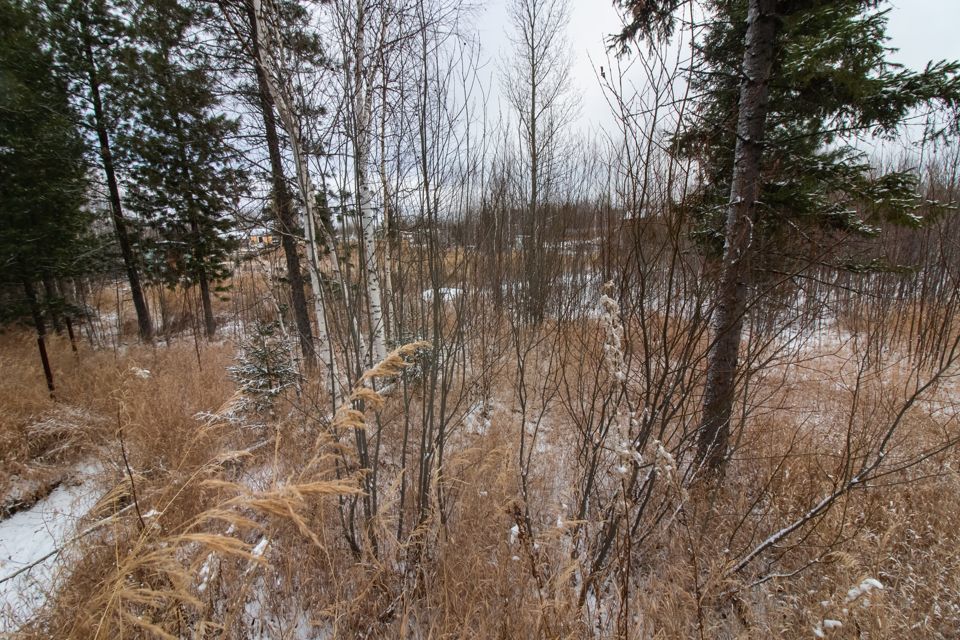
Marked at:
<point>87,37</point>
<point>184,180</point>
<point>43,223</point>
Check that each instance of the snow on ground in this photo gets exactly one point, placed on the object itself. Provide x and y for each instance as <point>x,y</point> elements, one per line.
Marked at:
<point>477,420</point>
<point>264,622</point>
<point>28,536</point>
<point>446,294</point>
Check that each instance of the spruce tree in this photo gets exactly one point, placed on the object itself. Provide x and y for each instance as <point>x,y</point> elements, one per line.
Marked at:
<point>787,88</point>
<point>87,37</point>
<point>43,225</point>
<point>831,83</point>
<point>183,178</point>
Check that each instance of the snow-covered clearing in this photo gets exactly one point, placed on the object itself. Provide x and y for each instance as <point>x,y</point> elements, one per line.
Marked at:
<point>34,536</point>
<point>447,294</point>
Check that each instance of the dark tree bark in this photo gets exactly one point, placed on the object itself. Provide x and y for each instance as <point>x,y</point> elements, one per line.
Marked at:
<point>41,328</point>
<point>283,201</point>
<point>52,300</point>
<point>209,322</point>
<point>727,323</point>
<point>116,208</point>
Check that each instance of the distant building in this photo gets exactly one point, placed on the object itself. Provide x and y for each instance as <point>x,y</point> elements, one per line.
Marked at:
<point>261,240</point>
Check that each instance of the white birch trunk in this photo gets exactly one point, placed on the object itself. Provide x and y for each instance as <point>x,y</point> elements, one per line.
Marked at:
<point>387,251</point>
<point>367,220</point>
<point>291,125</point>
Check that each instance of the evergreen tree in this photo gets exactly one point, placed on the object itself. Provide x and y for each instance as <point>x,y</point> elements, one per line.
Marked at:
<point>42,171</point>
<point>88,37</point>
<point>831,81</point>
<point>183,178</point>
<point>787,87</point>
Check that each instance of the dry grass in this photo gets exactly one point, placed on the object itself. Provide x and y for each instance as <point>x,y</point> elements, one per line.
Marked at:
<point>237,530</point>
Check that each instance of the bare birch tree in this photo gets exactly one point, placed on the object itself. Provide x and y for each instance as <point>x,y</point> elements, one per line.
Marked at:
<point>270,51</point>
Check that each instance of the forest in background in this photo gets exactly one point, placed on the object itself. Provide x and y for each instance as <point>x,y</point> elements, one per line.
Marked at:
<point>317,341</point>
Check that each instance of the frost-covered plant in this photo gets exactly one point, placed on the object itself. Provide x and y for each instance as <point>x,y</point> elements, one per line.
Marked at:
<point>613,344</point>
<point>615,361</point>
<point>264,368</point>
<point>419,360</point>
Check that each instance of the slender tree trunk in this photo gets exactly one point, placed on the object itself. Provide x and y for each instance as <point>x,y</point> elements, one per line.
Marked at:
<point>41,328</point>
<point>727,323</point>
<point>290,124</point>
<point>52,300</point>
<point>390,314</point>
<point>534,274</point>
<point>283,204</point>
<point>209,321</point>
<point>116,208</point>
<point>361,140</point>
<point>68,294</point>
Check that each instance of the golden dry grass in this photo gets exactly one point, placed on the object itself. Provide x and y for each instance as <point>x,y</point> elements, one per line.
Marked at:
<point>215,490</point>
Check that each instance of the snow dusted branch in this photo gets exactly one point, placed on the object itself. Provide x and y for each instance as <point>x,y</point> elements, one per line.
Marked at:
<point>867,471</point>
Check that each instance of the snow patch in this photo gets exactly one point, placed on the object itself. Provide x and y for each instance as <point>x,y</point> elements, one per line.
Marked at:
<point>446,294</point>
<point>477,420</point>
<point>30,535</point>
<point>865,587</point>
<point>827,624</point>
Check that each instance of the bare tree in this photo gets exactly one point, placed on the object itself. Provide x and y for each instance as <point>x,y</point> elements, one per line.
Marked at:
<point>265,22</point>
<point>537,86</point>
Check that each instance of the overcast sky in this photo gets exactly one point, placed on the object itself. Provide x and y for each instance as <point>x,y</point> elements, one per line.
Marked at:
<point>922,30</point>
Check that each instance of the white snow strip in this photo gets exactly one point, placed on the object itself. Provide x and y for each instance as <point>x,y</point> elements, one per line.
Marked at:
<point>27,537</point>
<point>446,293</point>
<point>260,548</point>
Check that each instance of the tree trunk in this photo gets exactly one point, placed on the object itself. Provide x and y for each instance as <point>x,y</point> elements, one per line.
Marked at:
<point>41,328</point>
<point>361,141</point>
<point>290,124</point>
<point>283,203</point>
<point>209,322</point>
<point>116,209</point>
<point>52,300</point>
<point>390,316</point>
<point>727,323</point>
